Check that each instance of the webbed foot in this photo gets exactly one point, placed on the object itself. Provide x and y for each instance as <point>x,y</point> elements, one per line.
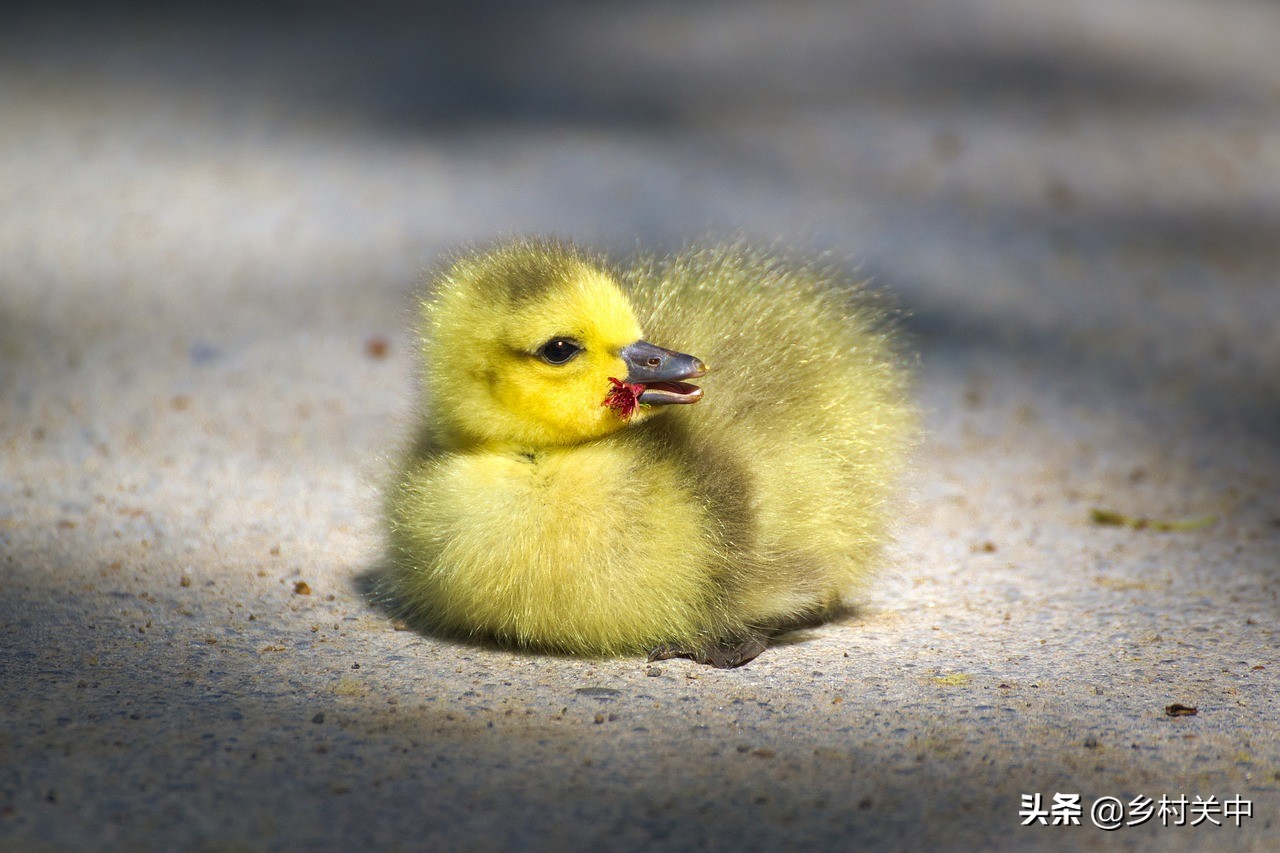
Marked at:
<point>727,654</point>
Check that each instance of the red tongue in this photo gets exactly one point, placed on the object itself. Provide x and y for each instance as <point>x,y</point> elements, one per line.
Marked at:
<point>623,397</point>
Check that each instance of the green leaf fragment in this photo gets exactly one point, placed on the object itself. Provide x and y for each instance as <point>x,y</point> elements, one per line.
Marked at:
<point>1112,518</point>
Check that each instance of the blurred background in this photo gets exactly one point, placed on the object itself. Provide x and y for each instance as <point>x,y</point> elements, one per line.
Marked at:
<point>213,220</point>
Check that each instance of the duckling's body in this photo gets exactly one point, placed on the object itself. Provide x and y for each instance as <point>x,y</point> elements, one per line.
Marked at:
<point>538,509</point>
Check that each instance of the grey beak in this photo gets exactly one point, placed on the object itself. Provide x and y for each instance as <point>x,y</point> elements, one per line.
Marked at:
<point>647,363</point>
<point>662,373</point>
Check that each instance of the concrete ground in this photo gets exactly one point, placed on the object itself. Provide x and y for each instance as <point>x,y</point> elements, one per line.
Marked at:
<point>211,227</point>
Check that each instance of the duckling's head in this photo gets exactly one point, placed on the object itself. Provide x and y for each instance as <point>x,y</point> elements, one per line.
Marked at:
<point>535,345</point>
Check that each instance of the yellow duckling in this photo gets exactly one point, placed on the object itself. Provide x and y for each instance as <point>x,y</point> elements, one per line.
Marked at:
<point>565,494</point>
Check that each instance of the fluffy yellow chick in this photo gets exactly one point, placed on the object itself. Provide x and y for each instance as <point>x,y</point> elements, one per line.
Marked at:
<point>565,492</point>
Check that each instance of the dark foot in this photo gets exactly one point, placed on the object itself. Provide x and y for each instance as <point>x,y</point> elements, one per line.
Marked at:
<point>724,655</point>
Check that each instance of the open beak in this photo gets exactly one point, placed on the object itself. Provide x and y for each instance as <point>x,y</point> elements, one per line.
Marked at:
<point>662,373</point>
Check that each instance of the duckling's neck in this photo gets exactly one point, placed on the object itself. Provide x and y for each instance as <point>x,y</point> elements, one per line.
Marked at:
<point>452,441</point>
<point>525,452</point>
<point>446,437</point>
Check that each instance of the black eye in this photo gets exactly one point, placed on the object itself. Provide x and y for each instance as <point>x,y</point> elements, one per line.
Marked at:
<point>559,350</point>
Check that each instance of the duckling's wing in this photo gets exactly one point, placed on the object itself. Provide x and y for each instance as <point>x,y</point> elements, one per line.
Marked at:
<point>805,404</point>
<point>779,336</point>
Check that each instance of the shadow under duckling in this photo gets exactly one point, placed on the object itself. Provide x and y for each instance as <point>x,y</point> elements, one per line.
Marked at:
<point>572,489</point>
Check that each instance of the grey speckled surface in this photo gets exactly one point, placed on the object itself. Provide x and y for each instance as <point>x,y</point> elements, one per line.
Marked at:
<point>205,219</point>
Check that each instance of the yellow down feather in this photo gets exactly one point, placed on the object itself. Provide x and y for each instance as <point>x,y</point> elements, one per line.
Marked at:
<point>529,513</point>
